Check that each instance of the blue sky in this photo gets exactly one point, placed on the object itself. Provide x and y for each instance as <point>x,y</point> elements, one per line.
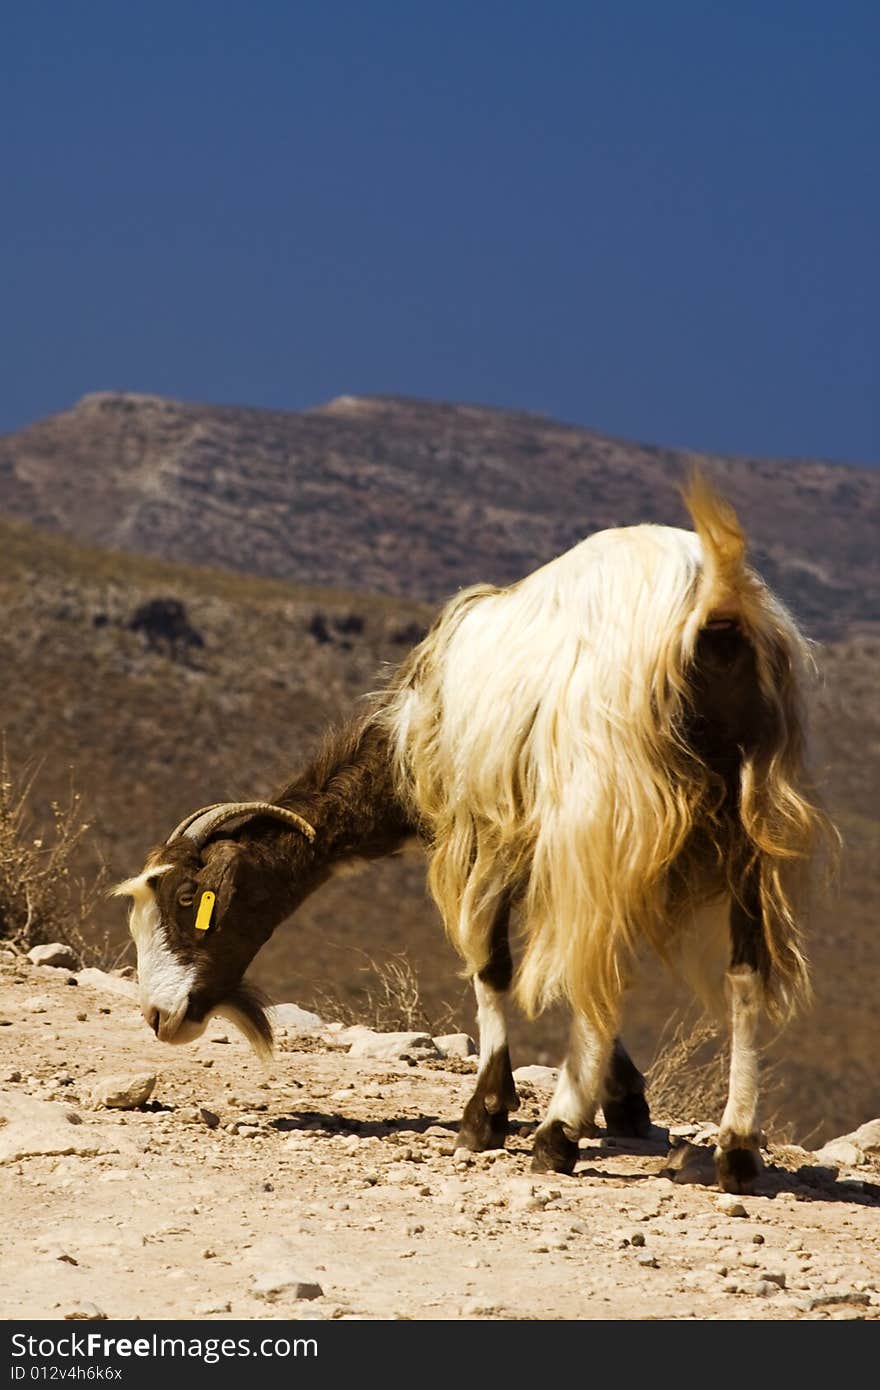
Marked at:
<point>659,220</point>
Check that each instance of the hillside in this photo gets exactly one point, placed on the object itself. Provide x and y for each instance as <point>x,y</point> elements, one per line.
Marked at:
<point>414,498</point>
<point>322,1186</point>
<point>149,728</point>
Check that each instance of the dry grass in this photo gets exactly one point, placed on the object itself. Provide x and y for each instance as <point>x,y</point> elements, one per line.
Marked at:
<point>389,1000</point>
<point>688,1077</point>
<point>41,898</point>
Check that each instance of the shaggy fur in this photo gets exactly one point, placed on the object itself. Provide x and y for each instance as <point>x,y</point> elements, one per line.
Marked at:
<point>571,743</point>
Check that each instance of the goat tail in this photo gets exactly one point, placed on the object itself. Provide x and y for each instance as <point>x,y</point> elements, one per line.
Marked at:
<point>728,589</point>
<point>785,826</point>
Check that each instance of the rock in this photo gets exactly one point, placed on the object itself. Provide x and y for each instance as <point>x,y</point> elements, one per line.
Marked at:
<point>762,1288</point>
<point>37,1004</point>
<point>867,1137</point>
<point>29,1127</point>
<point>57,1252</point>
<point>284,1283</point>
<point>85,1312</point>
<point>831,1298</point>
<point>637,1238</point>
<point>527,1196</point>
<point>841,1151</point>
<point>776,1277</point>
<point>455,1045</point>
<point>648,1262</point>
<point>731,1206</point>
<point>290,1018</point>
<point>706,1134</point>
<point>55,953</point>
<point>111,984</point>
<point>122,1092</point>
<point>690,1164</point>
<point>389,1047</point>
<point>537,1076</point>
<point>208,1117</point>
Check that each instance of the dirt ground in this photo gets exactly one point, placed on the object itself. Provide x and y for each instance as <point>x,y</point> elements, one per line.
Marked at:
<point>240,1187</point>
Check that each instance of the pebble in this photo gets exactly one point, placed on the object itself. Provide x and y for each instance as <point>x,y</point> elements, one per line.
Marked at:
<point>54,953</point>
<point>110,984</point>
<point>536,1076</point>
<point>731,1206</point>
<point>290,1018</point>
<point>122,1092</point>
<point>689,1163</point>
<point>867,1137</point>
<point>276,1284</point>
<point>388,1047</point>
<point>36,1004</point>
<point>55,1252</point>
<point>842,1151</point>
<point>455,1045</point>
<point>833,1298</point>
<point>637,1238</point>
<point>208,1117</point>
<point>85,1312</point>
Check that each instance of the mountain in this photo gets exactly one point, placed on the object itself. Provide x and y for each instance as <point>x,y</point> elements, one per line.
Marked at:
<point>416,499</point>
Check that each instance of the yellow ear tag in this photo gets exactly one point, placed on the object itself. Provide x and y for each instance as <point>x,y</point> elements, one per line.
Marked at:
<point>206,907</point>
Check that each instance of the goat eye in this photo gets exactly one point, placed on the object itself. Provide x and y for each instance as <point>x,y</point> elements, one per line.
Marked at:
<point>185,898</point>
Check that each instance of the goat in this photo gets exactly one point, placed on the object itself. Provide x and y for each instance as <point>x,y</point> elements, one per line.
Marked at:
<point>612,748</point>
<point>256,862</point>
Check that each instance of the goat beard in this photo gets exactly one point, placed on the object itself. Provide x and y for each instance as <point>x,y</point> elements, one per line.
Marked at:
<point>247,1009</point>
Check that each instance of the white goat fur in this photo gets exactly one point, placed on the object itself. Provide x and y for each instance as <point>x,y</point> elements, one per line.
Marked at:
<point>537,736</point>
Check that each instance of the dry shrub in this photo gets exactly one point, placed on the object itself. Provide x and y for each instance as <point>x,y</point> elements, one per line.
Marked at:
<point>40,898</point>
<point>389,999</point>
<point>688,1077</point>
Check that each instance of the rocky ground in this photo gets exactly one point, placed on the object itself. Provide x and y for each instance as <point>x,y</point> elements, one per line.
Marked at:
<point>141,1181</point>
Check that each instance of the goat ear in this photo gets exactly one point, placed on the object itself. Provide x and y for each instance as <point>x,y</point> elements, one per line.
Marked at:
<point>222,869</point>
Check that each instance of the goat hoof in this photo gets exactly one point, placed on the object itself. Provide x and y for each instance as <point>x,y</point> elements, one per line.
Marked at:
<point>629,1117</point>
<point>481,1130</point>
<point>737,1169</point>
<point>554,1152</point>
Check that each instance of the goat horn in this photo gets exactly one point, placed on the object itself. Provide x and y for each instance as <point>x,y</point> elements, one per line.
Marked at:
<point>203,823</point>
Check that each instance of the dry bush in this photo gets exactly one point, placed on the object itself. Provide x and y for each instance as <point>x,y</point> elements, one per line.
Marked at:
<point>688,1077</point>
<point>388,1001</point>
<point>40,898</point>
